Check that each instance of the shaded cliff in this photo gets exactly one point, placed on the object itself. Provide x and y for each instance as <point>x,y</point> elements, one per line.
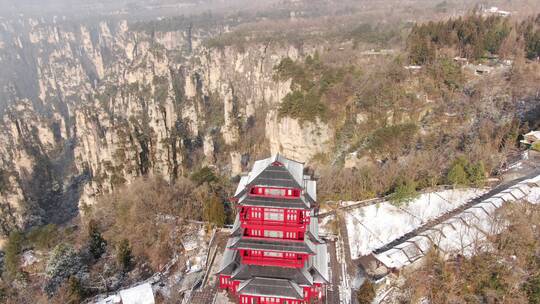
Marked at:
<point>86,108</point>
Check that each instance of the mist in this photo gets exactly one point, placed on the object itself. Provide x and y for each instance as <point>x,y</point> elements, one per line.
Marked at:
<point>126,9</point>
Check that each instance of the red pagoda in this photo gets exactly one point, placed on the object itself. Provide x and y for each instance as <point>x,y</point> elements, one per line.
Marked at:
<point>274,254</point>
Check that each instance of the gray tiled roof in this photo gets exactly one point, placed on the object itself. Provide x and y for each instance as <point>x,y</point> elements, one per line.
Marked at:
<point>230,260</point>
<point>271,288</point>
<point>273,245</point>
<point>276,176</point>
<point>292,203</point>
<point>237,226</point>
<point>313,230</point>
<point>291,174</point>
<point>299,275</point>
<point>318,264</point>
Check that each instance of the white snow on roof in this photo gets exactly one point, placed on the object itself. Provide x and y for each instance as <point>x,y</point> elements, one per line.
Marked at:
<point>258,168</point>
<point>242,184</point>
<point>296,169</point>
<point>465,233</point>
<point>534,195</point>
<point>373,226</point>
<point>311,188</point>
<point>394,258</point>
<point>456,236</point>
<point>140,294</point>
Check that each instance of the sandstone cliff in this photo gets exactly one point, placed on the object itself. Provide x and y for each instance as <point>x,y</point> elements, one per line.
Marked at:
<point>86,108</point>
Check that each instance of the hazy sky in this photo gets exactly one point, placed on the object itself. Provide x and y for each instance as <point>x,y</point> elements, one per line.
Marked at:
<point>123,7</point>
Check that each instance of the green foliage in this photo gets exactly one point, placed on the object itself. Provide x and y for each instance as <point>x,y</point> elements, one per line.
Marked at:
<point>44,237</point>
<point>366,293</point>
<point>63,263</point>
<point>473,36</point>
<point>379,35</point>
<point>447,72</point>
<point>310,81</point>
<point>463,173</point>
<point>404,192</point>
<point>476,173</point>
<point>124,257</point>
<point>12,253</point>
<point>96,243</point>
<point>391,141</point>
<point>204,175</point>
<point>532,288</point>
<point>457,175</point>
<point>214,211</point>
<point>305,107</point>
<point>421,51</point>
<point>531,34</point>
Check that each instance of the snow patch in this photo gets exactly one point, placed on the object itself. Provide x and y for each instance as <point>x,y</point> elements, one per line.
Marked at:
<point>374,226</point>
<point>140,294</point>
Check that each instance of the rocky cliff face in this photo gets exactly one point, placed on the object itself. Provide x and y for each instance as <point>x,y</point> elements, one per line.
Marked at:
<point>86,108</point>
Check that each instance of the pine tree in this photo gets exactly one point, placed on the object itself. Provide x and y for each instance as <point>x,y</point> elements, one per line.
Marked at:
<point>457,174</point>
<point>476,173</point>
<point>124,257</point>
<point>214,212</point>
<point>404,192</point>
<point>97,244</point>
<point>12,251</point>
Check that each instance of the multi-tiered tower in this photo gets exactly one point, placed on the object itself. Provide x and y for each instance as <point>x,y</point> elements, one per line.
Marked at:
<point>274,254</point>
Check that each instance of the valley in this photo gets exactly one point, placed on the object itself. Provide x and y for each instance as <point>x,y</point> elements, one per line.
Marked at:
<point>125,128</point>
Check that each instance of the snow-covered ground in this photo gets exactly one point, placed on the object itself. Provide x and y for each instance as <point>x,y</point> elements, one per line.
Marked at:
<point>374,226</point>
<point>195,242</point>
<point>465,233</point>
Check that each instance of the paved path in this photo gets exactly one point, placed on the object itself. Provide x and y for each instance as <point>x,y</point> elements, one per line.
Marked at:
<point>332,294</point>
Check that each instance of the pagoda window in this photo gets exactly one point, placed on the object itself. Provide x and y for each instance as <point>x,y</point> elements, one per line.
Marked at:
<point>273,254</point>
<point>292,216</point>
<point>256,213</point>
<point>255,253</point>
<point>256,232</point>
<point>271,214</point>
<point>275,192</point>
<point>289,255</point>
<point>273,234</point>
<point>291,235</point>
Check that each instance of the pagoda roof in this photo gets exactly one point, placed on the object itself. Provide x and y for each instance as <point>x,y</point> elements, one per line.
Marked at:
<point>277,171</point>
<point>262,201</point>
<point>318,265</point>
<point>237,226</point>
<point>276,176</point>
<point>313,230</point>
<point>230,260</point>
<point>300,276</point>
<point>315,270</point>
<point>305,246</point>
<point>272,288</point>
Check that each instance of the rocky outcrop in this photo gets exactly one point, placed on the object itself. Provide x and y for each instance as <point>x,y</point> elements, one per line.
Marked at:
<point>297,141</point>
<point>90,107</point>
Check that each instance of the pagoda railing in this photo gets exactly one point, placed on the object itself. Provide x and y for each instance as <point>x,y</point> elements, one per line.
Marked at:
<point>269,261</point>
<point>299,223</point>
